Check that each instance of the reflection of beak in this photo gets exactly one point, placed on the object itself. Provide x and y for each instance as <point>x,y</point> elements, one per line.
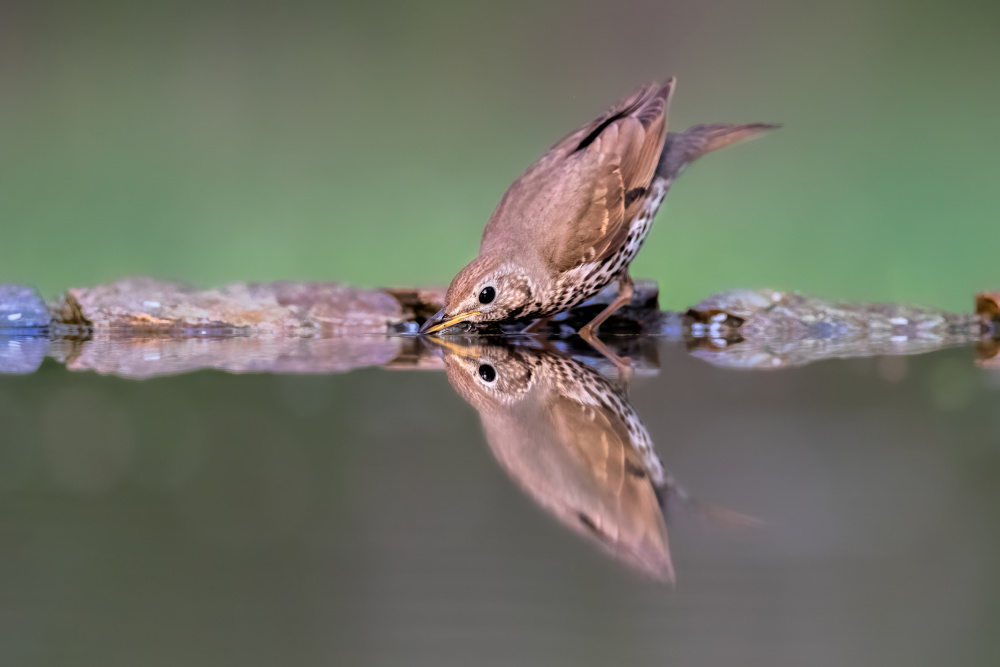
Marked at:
<point>440,321</point>
<point>463,350</point>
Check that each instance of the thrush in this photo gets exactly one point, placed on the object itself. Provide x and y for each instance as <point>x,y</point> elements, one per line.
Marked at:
<point>572,441</point>
<point>575,220</point>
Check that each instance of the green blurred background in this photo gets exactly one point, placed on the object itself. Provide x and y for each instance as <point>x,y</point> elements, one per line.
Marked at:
<point>217,141</point>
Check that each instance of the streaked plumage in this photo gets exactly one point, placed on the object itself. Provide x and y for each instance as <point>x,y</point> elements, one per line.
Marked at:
<point>575,220</point>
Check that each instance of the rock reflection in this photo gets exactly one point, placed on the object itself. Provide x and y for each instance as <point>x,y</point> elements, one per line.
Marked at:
<point>771,354</point>
<point>149,356</point>
<point>572,441</point>
<point>156,356</point>
<point>988,354</point>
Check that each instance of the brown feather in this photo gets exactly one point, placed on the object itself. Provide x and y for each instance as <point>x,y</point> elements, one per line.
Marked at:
<point>572,201</point>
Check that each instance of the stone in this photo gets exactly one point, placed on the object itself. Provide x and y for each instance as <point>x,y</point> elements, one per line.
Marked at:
<point>419,304</point>
<point>765,329</point>
<point>639,316</point>
<point>140,327</point>
<point>988,309</point>
<point>22,309</point>
<point>285,308</point>
<point>790,316</point>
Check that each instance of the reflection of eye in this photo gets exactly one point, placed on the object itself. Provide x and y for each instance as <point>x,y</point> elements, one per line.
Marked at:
<point>487,295</point>
<point>487,373</point>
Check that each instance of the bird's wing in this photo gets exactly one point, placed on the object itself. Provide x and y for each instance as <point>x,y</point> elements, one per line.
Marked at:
<point>576,203</point>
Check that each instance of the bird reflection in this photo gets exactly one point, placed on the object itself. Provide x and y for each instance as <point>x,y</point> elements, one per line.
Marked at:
<point>571,441</point>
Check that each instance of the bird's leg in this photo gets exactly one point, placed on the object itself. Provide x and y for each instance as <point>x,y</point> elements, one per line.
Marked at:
<point>589,331</point>
<point>626,288</point>
<point>536,325</point>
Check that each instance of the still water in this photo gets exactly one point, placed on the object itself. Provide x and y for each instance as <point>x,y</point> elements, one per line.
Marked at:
<point>487,502</point>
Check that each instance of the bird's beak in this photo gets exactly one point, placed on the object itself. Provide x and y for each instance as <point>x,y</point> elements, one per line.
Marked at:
<point>440,320</point>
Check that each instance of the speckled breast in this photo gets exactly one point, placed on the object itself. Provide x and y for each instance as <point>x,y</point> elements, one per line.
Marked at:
<point>585,281</point>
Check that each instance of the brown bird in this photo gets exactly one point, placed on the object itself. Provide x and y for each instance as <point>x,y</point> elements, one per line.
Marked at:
<point>575,220</point>
<point>572,442</point>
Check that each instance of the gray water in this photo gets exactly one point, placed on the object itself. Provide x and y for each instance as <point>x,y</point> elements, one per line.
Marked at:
<point>840,513</point>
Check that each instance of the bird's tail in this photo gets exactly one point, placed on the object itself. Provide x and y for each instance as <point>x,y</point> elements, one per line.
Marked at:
<point>683,148</point>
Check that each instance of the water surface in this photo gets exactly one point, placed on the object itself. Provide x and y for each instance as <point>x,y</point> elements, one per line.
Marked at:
<point>366,517</point>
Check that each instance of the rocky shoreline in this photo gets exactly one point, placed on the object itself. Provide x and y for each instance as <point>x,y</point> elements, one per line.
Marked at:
<point>140,327</point>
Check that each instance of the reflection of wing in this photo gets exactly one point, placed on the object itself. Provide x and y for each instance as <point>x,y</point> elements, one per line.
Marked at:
<point>579,463</point>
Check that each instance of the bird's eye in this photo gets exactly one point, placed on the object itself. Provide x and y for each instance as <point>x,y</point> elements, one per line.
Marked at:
<point>487,373</point>
<point>487,295</point>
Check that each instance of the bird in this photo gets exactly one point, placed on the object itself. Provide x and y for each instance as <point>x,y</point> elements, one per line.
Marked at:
<point>572,223</point>
<point>573,442</point>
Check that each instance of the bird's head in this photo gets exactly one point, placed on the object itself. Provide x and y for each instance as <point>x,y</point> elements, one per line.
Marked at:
<point>489,289</point>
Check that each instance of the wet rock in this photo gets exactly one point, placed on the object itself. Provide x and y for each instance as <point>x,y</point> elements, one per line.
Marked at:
<point>153,356</point>
<point>287,308</point>
<point>419,304</point>
<point>22,354</point>
<point>789,316</point>
<point>766,329</point>
<point>988,309</point>
<point>641,315</point>
<point>141,327</point>
<point>21,309</point>
<point>738,314</point>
